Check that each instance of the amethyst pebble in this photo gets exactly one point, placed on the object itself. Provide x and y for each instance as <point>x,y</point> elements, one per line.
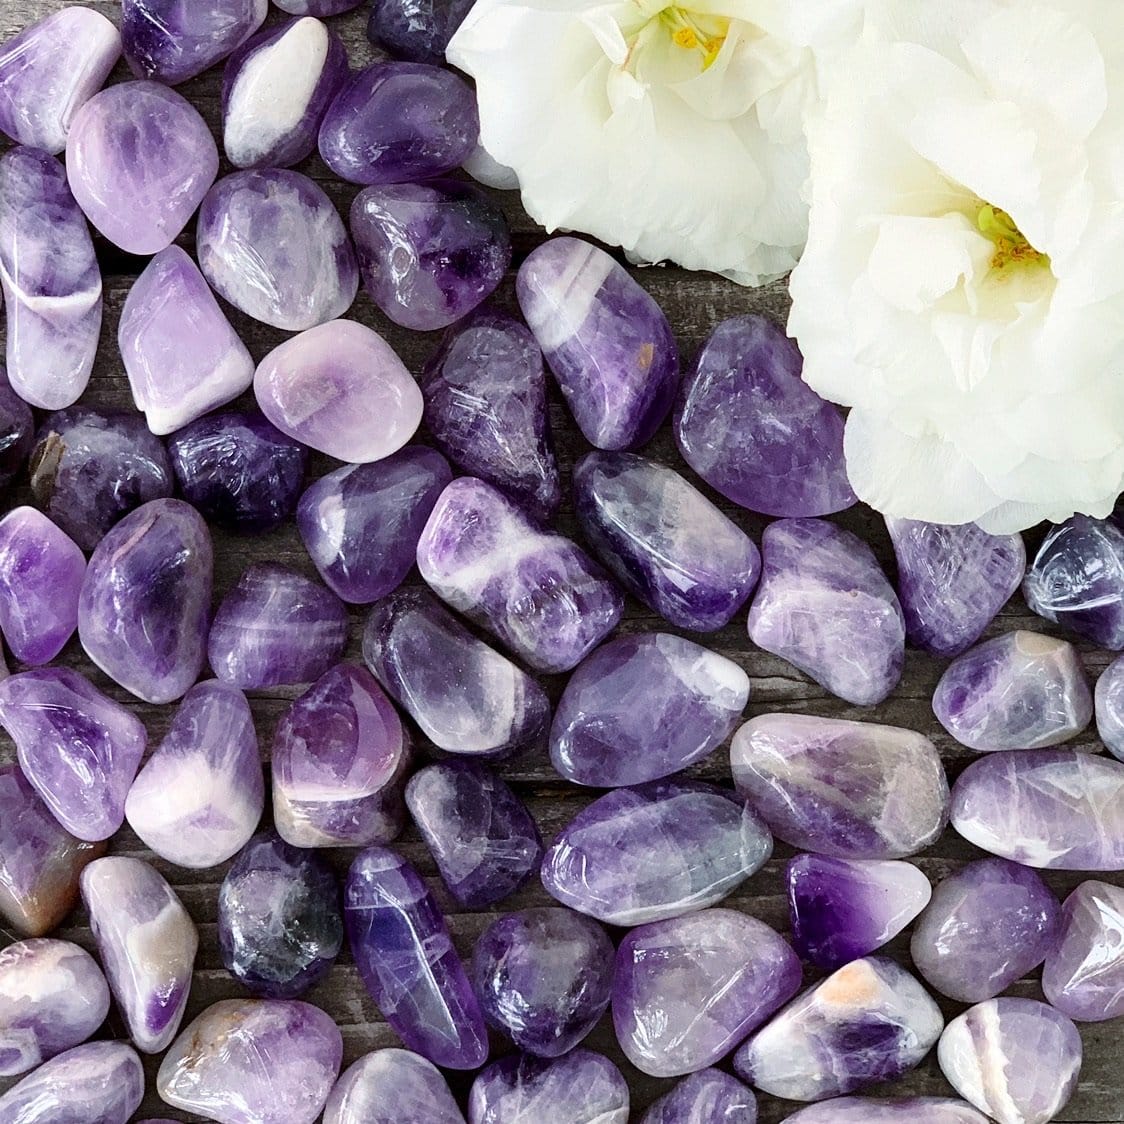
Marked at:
<point>417,30</point>
<point>392,1087</point>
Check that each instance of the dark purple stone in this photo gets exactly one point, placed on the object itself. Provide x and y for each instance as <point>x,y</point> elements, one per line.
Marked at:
<point>416,30</point>
<point>17,428</point>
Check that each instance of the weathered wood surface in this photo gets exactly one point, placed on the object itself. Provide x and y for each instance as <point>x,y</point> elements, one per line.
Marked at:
<point>694,303</point>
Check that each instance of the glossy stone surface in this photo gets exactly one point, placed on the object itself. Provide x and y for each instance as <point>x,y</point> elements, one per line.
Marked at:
<point>17,432</point>
<point>880,1110</point>
<point>50,280</point>
<point>200,796</point>
<point>1109,707</point>
<point>686,991</point>
<point>606,340</point>
<point>825,605</point>
<point>989,924</point>
<point>324,386</point>
<point>482,837</point>
<point>254,1061</point>
<point>316,7</point>
<point>707,1097</point>
<point>280,924</point>
<point>850,790</point>
<point>417,30</point>
<point>1052,808</point>
<point>399,122</point>
<point>1015,1059</point>
<point>485,406</point>
<point>181,354</point>
<point>952,581</point>
<point>238,470</point>
<point>843,909</point>
<point>754,431</point>
<point>392,1087</point>
<point>361,523</point>
<point>276,627</point>
<point>655,851</point>
<point>340,757</point>
<point>466,697</point>
<point>146,601</point>
<point>272,244</point>
<point>1084,972</point>
<point>538,592</point>
<point>139,159</point>
<point>406,958</point>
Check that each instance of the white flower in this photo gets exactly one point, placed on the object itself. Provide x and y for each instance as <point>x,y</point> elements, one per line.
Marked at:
<point>963,285</point>
<point>673,131</point>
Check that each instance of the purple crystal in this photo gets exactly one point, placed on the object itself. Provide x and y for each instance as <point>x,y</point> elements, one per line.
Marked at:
<point>876,1110</point>
<point>464,695</point>
<point>825,605</point>
<point>755,431</point>
<point>482,837</point>
<point>418,30</point>
<point>200,796</point>
<point>146,601</point>
<point>50,280</point>
<point>397,122</point>
<point>952,581</point>
<point>544,977</point>
<point>272,244</point>
<point>276,627</point>
<point>1053,808</point>
<point>851,790</point>
<point>181,354</point>
<point>275,91</point>
<point>707,1097</point>
<point>17,429</point>
<point>1015,1059</point>
<point>843,909</point>
<point>361,524</point>
<point>485,405</point>
<point>174,40</point>
<point>643,707</point>
<point>1084,972</point>
<point>688,990</point>
<point>392,1087</point>
<point>1109,706</point>
<point>340,758</point>
<point>406,958</point>
<point>606,340</point>
<point>316,7</point>
<point>988,925</point>
<point>254,1061</point>
<point>537,591</point>
<point>52,997</point>
<point>280,923</point>
<point>655,851</point>
<point>41,572</point>
<point>139,159</point>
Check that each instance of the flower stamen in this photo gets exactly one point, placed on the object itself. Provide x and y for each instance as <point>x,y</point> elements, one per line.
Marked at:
<point>1012,248</point>
<point>696,32</point>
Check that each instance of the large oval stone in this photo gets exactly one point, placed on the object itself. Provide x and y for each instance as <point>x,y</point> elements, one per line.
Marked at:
<point>392,1087</point>
<point>1084,972</point>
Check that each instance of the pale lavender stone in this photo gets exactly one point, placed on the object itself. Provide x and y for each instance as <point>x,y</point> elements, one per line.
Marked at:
<point>538,592</point>
<point>147,943</point>
<point>276,627</point>
<point>79,749</point>
<point>825,605</point>
<point>608,343</point>
<point>850,790</point>
<point>1084,972</point>
<point>655,851</point>
<point>643,707</point>
<point>686,991</point>
<point>1049,808</point>
<point>1018,1060</point>
<point>392,1087</point>
<point>140,159</point>
<point>181,354</point>
<point>988,925</point>
<point>707,1097</point>
<point>1109,707</point>
<point>17,432</point>
<point>754,431</point>
<point>146,601</point>
<point>41,571</point>
<point>316,7</point>
<point>417,30</point>
<point>50,279</point>
<point>953,580</point>
<point>879,1110</point>
<point>200,796</point>
<point>254,1061</point>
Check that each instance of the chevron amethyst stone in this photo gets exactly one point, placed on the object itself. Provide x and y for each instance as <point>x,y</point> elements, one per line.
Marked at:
<point>707,1097</point>
<point>880,1110</point>
<point>392,1087</point>
<point>1084,972</point>
<point>1109,707</point>
<point>417,30</point>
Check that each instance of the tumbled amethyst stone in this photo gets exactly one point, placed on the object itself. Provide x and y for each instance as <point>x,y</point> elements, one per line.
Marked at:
<point>608,343</point>
<point>1109,707</point>
<point>879,1110</point>
<point>417,30</point>
<point>406,958</point>
<point>276,627</point>
<point>361,523</point>
<point>316,7</point>
<point>1084,972</point>
<point>280,924</point>
<point>146,601</point>
<point>643,707</point>
<point>482,837</point>
<point>17,432</point>
<point>707,1097</point>
<point>755,431</point>
<point>392,1087</point>
<point>399,122</point>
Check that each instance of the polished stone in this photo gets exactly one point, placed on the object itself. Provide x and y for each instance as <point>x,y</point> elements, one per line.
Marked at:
<point>707,1097</point>
<point>1109,707</point>
<point>317,8</point>
<point>885,1110</point>
<point>1084,972</point>
<point>17,432</point>
<point>417,30</point>
<point>392,1087</point>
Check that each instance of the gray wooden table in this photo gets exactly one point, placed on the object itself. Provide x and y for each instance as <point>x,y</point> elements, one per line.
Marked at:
<point>694,303</point>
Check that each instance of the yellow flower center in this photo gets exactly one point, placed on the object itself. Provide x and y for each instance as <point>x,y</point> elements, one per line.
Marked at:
<point>694,31</point>
<point>1012,250</point>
